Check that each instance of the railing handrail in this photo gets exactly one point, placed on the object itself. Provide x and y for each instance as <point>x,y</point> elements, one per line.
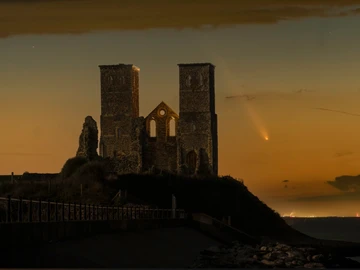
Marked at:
<point>224,224</point>
<point>78,204</point>
<point>20,210</point>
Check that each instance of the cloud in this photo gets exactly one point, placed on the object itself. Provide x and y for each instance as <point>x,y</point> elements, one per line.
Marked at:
<point>346,183</point>
<point>24,154</point>
<point>247,97</point>
<point>304,91</point>
<point>342,197</point>
<point>19,17</point>
<point>336,111</point>
<point>342,154</point>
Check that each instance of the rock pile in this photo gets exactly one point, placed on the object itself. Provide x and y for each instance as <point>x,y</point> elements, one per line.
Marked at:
<point>88,140</point>
<point>274,255</point>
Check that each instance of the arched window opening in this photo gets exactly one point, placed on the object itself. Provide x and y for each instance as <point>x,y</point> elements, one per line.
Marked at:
<point>191,159</point>
<point>188,81</point>
<point>172,129</point>
<point>152,128</point>
<point>200,79</point>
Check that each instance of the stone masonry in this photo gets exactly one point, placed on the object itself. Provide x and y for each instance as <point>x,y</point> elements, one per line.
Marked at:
<point>163,140</point>
<point>88,140</point>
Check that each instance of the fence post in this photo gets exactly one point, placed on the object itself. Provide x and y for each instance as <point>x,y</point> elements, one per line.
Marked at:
<point>93,211</point>
<point>56,211</point>
<point>40,211</point>
<point>80,211</point>
<point>107,212</point>
<point>63,211</point>
<point>75,214</point>
<point>20,210</point>
<point>30,211</point>
<point>9,209</point>
<point>49,211</point>
<point>69,212</point>
<point>118,212</point>
<point>122,212</point>
<point>113,212</point>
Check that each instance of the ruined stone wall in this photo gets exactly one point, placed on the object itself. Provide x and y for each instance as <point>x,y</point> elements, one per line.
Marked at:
<point>119,107</point>
<point>132,162</point>
<point>197,128</point>
<point>127,138</point>
<point>160,151</point>
<point>88,140</point>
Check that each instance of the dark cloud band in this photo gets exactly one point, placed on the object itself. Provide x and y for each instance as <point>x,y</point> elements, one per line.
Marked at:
<point>20,17</point>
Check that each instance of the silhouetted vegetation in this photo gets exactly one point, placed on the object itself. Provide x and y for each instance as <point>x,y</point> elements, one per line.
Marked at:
<point>219,197</point>
<point>216,196</point>
<point>72,165</point>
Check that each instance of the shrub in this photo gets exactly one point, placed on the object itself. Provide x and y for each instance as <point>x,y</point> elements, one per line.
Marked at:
<point>72,165</point>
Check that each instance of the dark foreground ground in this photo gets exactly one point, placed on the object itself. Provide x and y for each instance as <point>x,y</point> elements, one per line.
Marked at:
<point>168,247</point>
<point>162,248</point>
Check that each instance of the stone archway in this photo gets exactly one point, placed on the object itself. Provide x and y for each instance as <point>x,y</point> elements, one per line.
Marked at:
<point>191,159</point>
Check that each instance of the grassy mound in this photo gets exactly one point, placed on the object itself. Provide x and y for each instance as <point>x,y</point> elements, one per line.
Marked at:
<point>219,197</point>
<point>216,196</point>
<point>72,165</point>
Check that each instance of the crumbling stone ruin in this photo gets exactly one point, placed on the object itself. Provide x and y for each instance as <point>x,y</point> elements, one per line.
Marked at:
<point>88,140</point>
<point>163,140</point>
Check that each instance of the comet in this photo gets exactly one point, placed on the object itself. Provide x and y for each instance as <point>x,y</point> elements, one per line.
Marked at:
<point>253,115</point>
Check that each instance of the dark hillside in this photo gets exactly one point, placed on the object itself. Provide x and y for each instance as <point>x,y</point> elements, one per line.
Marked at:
<point>219,197</point>
<point>216,196</point>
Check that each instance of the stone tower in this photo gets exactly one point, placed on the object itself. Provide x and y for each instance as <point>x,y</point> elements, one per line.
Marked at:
<point>197,126</point>
<point>119,108</point>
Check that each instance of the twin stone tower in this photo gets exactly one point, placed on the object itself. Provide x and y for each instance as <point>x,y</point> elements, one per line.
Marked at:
<point>163,140</point>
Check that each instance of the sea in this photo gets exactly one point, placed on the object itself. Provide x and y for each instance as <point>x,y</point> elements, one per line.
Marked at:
<point>329,228</point>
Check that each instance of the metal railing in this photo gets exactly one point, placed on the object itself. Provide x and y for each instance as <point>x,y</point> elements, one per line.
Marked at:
<point>18,210</point>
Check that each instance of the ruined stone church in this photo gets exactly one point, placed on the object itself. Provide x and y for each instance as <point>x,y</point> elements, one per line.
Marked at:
<point>163,140</point>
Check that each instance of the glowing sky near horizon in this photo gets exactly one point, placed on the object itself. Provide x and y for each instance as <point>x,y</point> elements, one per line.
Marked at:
<point>295,82</point>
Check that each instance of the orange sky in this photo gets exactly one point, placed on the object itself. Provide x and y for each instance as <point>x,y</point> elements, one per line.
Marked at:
<point>50,83</point>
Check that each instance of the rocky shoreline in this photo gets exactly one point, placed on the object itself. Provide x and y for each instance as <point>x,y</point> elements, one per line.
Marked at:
<point>271,255</point>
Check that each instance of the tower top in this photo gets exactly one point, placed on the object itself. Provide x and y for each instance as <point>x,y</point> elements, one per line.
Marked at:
<point>119,66</point>
<point>196,64</point>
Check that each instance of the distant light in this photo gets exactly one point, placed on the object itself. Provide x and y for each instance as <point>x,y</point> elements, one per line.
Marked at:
<point>357,214</point>
<point>266,138</point>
